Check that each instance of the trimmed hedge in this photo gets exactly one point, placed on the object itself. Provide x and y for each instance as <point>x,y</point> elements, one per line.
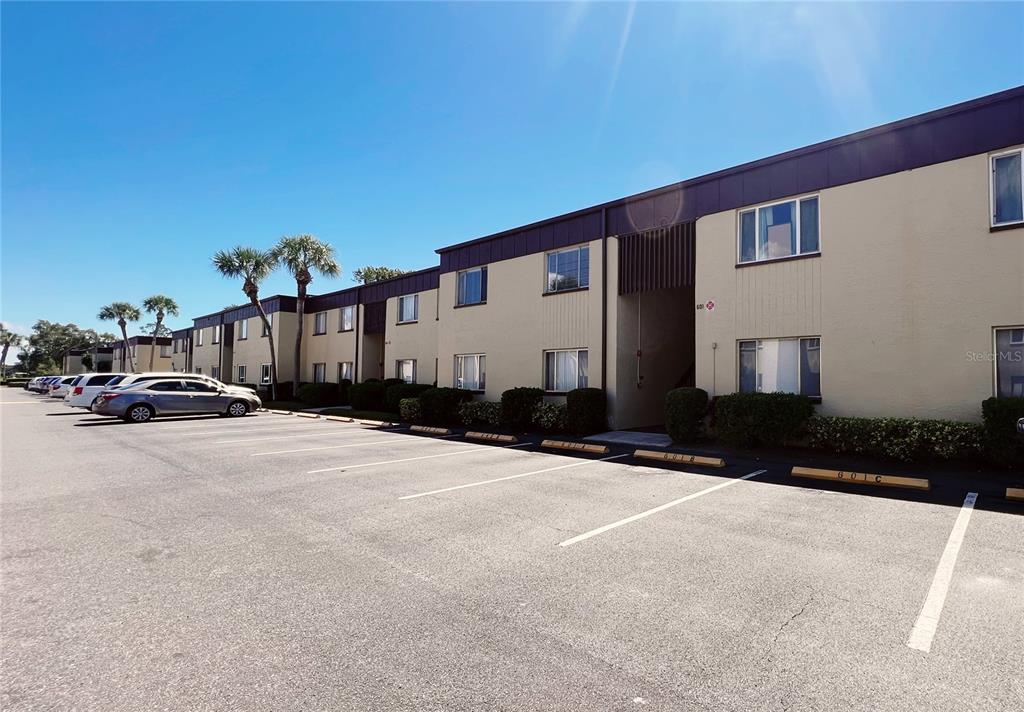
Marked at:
<point>318,394</point>
<point>284,391</point>
<point>409,410</point>
<point>586,411</point>
<point>388,382</point>
<point>440,406</point>
<point>1003,444</point>
<point>906,439</point>
<point>518,406</point>
<point>368,395</point>
<point>480,413</point>
<point>752,419</point>
<point>396,393</point>
<point>685,410</point>
<point>550,417</point>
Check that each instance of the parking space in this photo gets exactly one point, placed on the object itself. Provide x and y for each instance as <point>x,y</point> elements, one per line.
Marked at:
<point>275,562</point>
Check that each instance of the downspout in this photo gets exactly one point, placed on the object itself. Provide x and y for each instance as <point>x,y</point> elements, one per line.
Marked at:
<point>604,299</point>
<point>355,362</point>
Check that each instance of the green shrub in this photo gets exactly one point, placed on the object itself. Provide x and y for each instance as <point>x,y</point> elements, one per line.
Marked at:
<point>318,394</point>
<point>906,439</point>
<point>440,406</point>
<point>586,411</point>
<point>343,398</point>
<point>284,391</point>
<point>752,419</point>
<point>395,393</point>
<point>1003,444</point>
<point>685,409</point>
<point>518,406</point>
<point>550,417</point>
<point>409,410</point>
<point>368,395</point>
<point>388,382</point>
<point>480,413</point>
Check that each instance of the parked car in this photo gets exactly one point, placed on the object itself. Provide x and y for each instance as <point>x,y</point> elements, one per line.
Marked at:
<point>86,387</point>
<point>59,388</point>
<point>133,378</point>
<point>42,384</point>
<point>173,396</point>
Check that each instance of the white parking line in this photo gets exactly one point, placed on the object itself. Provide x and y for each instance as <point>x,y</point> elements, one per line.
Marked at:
<point>223,429</point>
<point>327,431</point>
<point>421,457</point>
<point>660,508</point>
<point>326,447</point>
<point>510,477</point>
<point>928,622</point>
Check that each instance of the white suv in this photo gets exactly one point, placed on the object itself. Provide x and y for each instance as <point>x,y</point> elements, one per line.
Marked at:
<point>132,378</point>
<point>86,387</point>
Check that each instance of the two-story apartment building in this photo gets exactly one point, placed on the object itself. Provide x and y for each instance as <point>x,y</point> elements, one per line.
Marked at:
<point>880,273</point>
<point>141,347</point>
<point>181,350</point>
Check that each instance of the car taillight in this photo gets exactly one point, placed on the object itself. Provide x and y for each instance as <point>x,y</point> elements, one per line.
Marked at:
<point>108,396</point>
<point>77,391</point>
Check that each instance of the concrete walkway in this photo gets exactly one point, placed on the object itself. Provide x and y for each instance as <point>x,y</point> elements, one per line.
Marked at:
<point>631,437</point>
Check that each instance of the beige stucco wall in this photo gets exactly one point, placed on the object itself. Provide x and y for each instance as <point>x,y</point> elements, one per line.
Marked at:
<point>140,360</point>
<point>205,357</point>
<point>330,348</point>
<point>909,286</point>
<point>254,350</point>
<point>518,323</point>
<point>416,340</point>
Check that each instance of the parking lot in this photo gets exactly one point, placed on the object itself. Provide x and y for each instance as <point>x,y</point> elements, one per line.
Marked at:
<point>280,563</point>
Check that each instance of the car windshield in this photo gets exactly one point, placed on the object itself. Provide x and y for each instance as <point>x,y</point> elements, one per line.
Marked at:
<point>115,380</point>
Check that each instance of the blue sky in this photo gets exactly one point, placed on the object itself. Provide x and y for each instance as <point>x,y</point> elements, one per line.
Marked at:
<point>139,138</point>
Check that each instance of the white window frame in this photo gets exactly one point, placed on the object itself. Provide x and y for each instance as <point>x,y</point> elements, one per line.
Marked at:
<point>243,329</point>
<point>265,379</point>
<point>992,184</point>
<point>240,373</point>
<point>216,334</point>
<point>165,350</point>
<point>458,287</point>
<point>481,383</point>
<point>398,368</point>
<point>199,337</point>
<point>757,351</point>
<point>547,272</point>
<point>320,323</point>
<point>199,370</point>
<point>995,352</point>
<point>415,308</point>
<point>341,371</point>
<point>350,310</point>
<point>264,332</point>
<point>322,366</point>
<point>544,368</point>
<point>215,372</point>
<point>756,209</point>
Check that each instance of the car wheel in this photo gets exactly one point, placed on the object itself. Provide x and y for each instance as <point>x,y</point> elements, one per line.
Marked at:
<point>139,414</point>
<point>237,409</point>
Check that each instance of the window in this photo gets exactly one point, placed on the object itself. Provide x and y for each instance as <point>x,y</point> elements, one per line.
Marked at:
<point>243,329</point>
<point>470,372</point>
<point>406,370</point>
<point>319,372</point>
<point>240,373</point>
<point>270,323</point>
<point>320,323</point>
<point>199,369</point>
<point>345,318</point>
<point>1007,191</point>
<point>216,334</point>
<point>408,308</point>
<point>176,345</point>
<point>780,366</point>
<point>568,269</point>
<point>1009,358</point>
<point>265,373</point>
<point>165,350</point>
<point>565,370</point>
<point>472,286</point>
<point>215,372</point>
<point>344,371</point>
<point>779,230</point>
<point>199,337</point>
<point>200,387</point>
<point>167,386</point>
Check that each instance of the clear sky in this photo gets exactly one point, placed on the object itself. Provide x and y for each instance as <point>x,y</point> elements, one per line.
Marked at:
<point>139,138</point>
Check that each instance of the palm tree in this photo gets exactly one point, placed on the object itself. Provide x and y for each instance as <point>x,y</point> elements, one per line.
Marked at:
<point>122,313</point>
<point>253,266</point>
<point>7,340</point>
<point>302,255</point>
<point>161,306</point>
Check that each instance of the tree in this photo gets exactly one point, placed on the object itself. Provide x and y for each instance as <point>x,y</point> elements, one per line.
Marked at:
<point>7,340</point>
<point>302,255</point>
<point>46,345</point>
<point>253,266</point>
<point>157,329</point>
<point>122,313</point>
<point>366,275</point>
<point>161,306</point>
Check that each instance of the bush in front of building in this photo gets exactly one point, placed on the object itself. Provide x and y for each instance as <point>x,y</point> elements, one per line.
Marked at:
<point>368,395</point>
<point>409,410</point>
<point>685,410</point>
<point>440,406</point>
<point>550,417</point>
<point>487,413</point>
<point>905,439</point>
<point>1003,444</point>
<point>396,392</point>
<point>388,382</point>
<point>752,419</point>
<point>586,411</point>
<point>518,406</point>
<point>343,391</point>
<point>284,391</point>
<point>318,394</point>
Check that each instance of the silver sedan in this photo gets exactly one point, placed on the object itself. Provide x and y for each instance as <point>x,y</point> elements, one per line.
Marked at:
<point>171,396</point>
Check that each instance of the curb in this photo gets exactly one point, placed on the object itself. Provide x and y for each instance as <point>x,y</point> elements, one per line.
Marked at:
<point>680,458</point>
<point>862,478</point>
<point>430,430</point>
<point>491,437</point>
<point>578,447</point>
